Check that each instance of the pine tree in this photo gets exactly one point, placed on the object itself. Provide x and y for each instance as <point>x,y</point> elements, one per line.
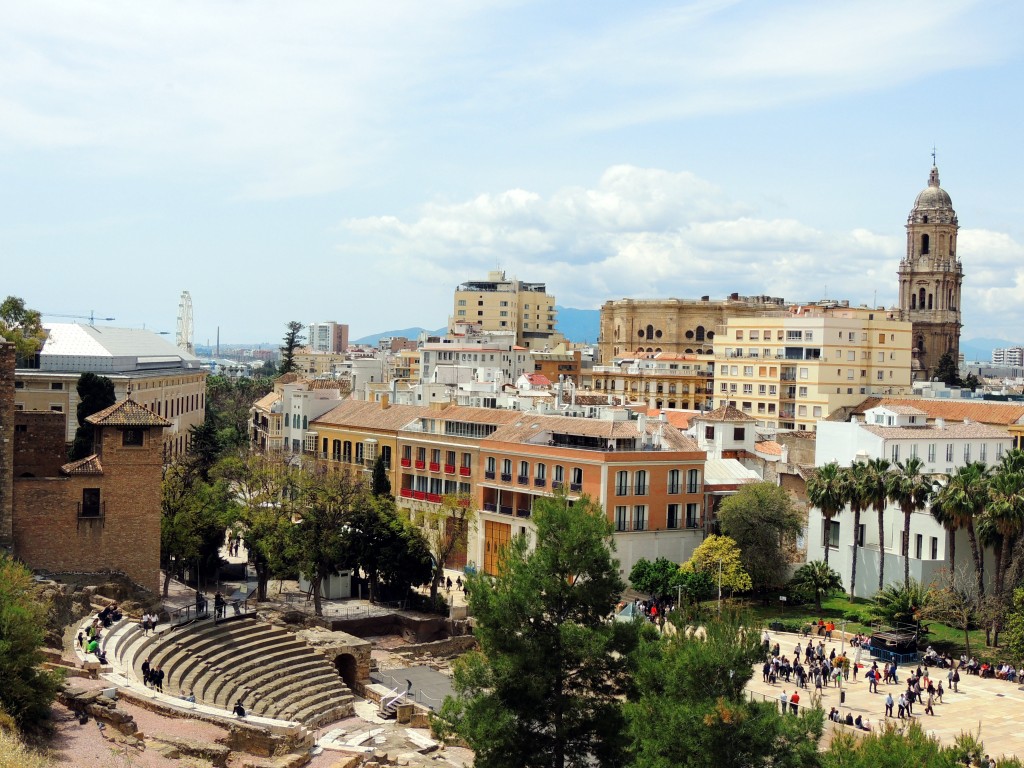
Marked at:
<point>94,394</point>
<point>292,341</point>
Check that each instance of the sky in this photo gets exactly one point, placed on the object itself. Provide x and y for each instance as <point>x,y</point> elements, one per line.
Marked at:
<point>357,161</point>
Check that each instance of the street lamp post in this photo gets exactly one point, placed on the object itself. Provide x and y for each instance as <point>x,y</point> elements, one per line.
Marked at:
<point>720,586</point>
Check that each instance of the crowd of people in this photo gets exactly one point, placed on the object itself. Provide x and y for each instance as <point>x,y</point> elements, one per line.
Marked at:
<point>89,639</point>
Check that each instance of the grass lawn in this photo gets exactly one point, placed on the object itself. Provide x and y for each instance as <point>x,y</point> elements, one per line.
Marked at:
<point>944,638</point>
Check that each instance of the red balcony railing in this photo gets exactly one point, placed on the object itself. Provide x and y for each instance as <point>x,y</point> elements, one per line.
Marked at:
<point>406,462</point>
<point>421,465</point>
<point>407,493</point>
<point>449,469</point>
<point>435,467</point>
<point>434,498</point>
<point>421,495</point>
<point>465,471</point>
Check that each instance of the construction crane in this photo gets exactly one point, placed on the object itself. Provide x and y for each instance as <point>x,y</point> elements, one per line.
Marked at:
<point>91,317</point>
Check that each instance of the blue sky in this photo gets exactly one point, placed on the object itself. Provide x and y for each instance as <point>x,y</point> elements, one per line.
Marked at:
<point>355,162</point>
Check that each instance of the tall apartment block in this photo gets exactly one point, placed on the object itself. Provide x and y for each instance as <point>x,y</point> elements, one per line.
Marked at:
<point>328,336</point>
<point>788,372</point>
<point>502,304</point>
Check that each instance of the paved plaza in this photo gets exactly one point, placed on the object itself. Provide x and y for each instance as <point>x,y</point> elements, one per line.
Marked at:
<point>995,705</point>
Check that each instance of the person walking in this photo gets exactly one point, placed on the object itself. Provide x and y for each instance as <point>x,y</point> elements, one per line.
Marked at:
<point>888,705</point>
<point>955,679</point>
<point>901,706</point>
<point>146,671</point>
<point>794,702</point>
<point>872,681</point>
<point>158,679</point>
<point>939,692</point>
<point>928,707</point>
<point>783,701</point>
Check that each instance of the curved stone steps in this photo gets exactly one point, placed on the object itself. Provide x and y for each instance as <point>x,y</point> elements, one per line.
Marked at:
<point>229,668</point>
<point>284,701</point>
<point>267,679</point>
<point>235,652</point>
<point>213,639</point>
<point>328,694</point>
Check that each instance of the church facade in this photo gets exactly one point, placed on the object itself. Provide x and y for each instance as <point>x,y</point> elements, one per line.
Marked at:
<point>930,278</point>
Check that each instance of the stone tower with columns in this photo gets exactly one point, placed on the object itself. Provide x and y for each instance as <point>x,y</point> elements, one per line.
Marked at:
<point>930,278</point>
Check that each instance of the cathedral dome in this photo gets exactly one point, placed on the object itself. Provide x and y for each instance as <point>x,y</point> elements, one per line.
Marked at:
<point>933,196</point>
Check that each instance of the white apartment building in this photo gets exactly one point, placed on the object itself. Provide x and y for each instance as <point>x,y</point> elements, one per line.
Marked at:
<point>280,419</point>
<point>790,371</point>
<point>896,433</point>
<point>328,336</point>
<point>1008,356</point>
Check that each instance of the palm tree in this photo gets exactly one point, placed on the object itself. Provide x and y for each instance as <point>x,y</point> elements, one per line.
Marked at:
<point>826,490</point>
<point>854,483</point>
<point>876,495</point>
<point>818,579</point>
<point>1005,512</point>
<point>962,499</point>
<point>910,489</point>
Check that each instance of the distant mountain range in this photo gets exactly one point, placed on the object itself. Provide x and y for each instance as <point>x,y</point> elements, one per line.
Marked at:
<point>580,325</point>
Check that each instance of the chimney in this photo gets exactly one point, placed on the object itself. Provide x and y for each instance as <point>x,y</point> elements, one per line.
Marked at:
<point>385,401</point>
<point>940,423</point>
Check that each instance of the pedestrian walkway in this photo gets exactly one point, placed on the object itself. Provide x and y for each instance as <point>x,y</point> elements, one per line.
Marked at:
<point>998,706</point>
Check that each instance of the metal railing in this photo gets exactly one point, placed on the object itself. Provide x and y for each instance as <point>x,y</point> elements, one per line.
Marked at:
<point>189,613</point>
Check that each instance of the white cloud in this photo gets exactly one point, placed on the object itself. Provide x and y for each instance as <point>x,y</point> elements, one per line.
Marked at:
<point>649,233</point>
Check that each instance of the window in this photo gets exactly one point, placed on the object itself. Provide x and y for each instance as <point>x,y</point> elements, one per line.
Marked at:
<point>949,451</point>
<point>577,477</point>
<point>674,484</point>
<point>830,529</point>
<point>709,433</point>
<point>748,370</point>
<point>491,466</point>
<point>91,505</point>
<point>748,389</point>
<point>803,373</point>
<point>935,547</point>
<point>524,470</point>
<point>967,453</point>
<point>131,437</point>
<point>56,408</point>
<point>817,411</point>
<point>640,517</point>
<point>56,385</point>
<point>754,335</point>
<point>692,515</point>
<point>359,453</point>
<point>622,483</point>
<point>762,389</point>
<point>739,434</point>
<point>739,335</point>
<point>918,545</point>
<point>506,469</point>
<point>931,453</point>
<point>672,516</point>
<point>693,481</point>
<point>540,472</point>
<point>895,452</point>
<point>622,518</point>
<point>913,450</point>
<point>801,391</point>
<point>641,482</point>
<point>559,476</point>
<point>860,534</point>
<point>982,452</point>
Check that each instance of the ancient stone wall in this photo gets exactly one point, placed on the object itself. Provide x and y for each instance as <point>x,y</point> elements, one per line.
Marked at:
<point>39,446</point>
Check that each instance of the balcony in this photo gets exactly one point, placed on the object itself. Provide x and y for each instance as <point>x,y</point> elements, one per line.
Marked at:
<point>490,506</point>
<point>449,469</point>
<point>539,482</point>
<point>419,495</point>
<point>489,474</point>
<point>575,487</point>
<point>465,471</point>
<point>523,479</point>
<point>435,466</point>
<point>556,485</point>
<point>505,510</point>
<point>434,498</point>
<point>407,493</point>
<point>506,478</point>
<point>406,462</point>
<point>421,465</point>
<point>92,514</point>
<point>522,513</point>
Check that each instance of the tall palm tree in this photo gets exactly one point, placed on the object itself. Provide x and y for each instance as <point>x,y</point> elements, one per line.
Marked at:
<point>826,490</point>
<point>855,481</point>
<point>910,489</point>
<point>1005,512</point>
<point>1012,464</point>
<point>876,495</point>
<point>962,499</point>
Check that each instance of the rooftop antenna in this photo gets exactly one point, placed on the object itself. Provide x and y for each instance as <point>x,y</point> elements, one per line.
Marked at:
<point>933,154</point>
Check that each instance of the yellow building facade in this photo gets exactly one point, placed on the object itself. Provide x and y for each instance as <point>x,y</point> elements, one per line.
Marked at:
<point>502,304</point>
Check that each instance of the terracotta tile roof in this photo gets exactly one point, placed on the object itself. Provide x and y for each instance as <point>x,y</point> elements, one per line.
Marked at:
<point>724,413</point>
<point>326,384</point>
<point>678,419</point>
<point>907,410</point>
<point>538,380</point>
<point>528,426</point>
<point>90,465</point>
<point>475,415</point>
<point>288,378</point>
<point>127,413</point>
<point>267,401</point>
<point>583,398</point>
<point>369,415</point>
<point>985,411</point>
<point>954,430</point>
<point>768,447</point>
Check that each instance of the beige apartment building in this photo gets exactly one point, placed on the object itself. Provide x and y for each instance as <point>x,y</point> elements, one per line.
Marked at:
<point>788,372</point>
<point>313,363</point>
<point>501,304</point>
<point>662,379</point>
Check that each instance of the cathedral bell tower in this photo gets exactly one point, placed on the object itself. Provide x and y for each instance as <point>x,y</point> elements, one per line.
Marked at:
<point>930,279</point>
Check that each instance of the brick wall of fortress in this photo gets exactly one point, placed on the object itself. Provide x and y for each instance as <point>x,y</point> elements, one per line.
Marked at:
<point>49,536</point>
<point>6,445</point>
<point>677,324</point>
<point>39,447</point>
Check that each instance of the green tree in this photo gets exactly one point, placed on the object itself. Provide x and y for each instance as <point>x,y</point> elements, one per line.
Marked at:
<point>228,403</point>
<point>719,557</point>
<point>689,709</point>
<point>910,489</point>
<point>543,689</point>
<point>194,516</point>
<point>318,538</point>
<point>94,394</point>
<point>293,339</point>
<point>855,485</point>
<point>948,371</point>
<point>23,327</point>
<point>876,494</point>
<point>826,490</point>
<point>818,580</point>
<point>957,602</point>
<point>1014,633</point>
<point>908,603</point>
<point>26,690</point>
<point>960,501</point>
<point>658,578</point>
<point>761,519</point>
<point>390,551</point>
<point>380,484</point>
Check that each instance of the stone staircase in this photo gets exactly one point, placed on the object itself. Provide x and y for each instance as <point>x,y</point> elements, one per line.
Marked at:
<point>274,674</point>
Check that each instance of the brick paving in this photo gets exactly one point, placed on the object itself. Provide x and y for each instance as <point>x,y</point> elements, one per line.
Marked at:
<point>996,707</point>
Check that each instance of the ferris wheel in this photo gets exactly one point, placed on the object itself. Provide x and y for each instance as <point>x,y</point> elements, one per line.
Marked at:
<point>185,331</point>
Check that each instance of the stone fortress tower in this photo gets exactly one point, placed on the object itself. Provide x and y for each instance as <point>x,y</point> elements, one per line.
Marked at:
<point>930,279</point>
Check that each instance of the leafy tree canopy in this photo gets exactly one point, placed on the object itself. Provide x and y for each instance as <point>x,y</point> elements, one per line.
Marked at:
<point>94,394</point>
<point>764,524</point>
<point>816,580</point>
<point>23,327</point>
<point>719,558</point>
<point>948,371</point>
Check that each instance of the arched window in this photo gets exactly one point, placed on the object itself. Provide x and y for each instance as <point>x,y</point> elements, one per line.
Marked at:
<point>924,243</point>
<point>949,302</point>
<point>929,301</point>
<point>689,351</point>
<point>700,333</point>
<point>913,301</point>
<point>920,299</point>
<point>650,331</point>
